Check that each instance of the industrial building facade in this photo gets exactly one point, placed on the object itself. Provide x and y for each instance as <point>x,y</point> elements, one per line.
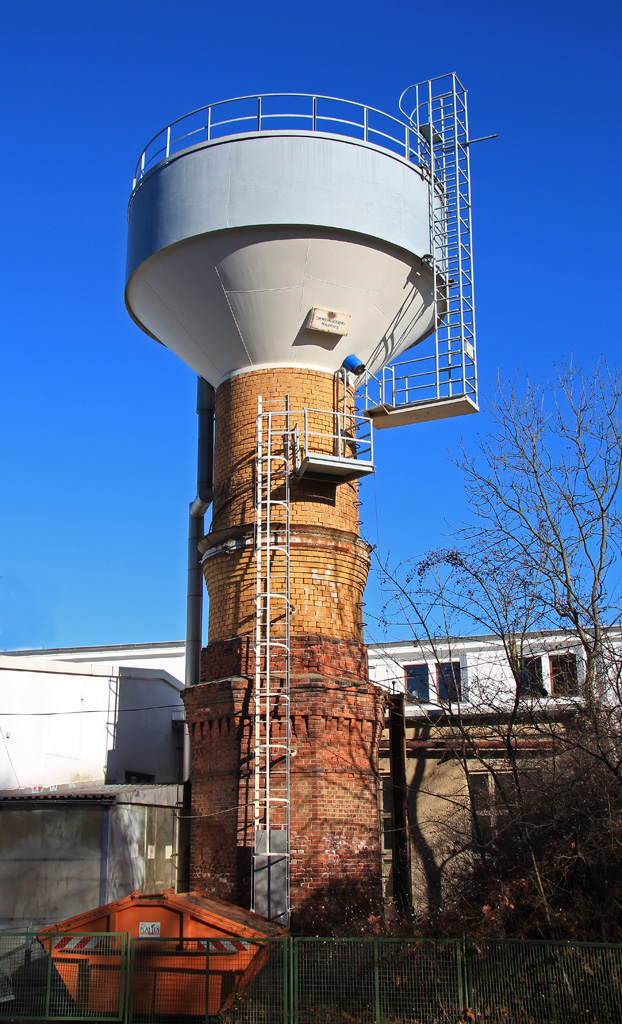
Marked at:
<point>105,832</point>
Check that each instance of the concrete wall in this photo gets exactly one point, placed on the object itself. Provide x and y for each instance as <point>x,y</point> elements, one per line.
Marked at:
<point>145,741</point>
<point>59,857</point>
<point>70,723</point>
<point>50,862</point>
<point>439,825</point>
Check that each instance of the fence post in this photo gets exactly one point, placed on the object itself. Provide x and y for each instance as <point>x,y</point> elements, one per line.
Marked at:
<point>549,982</point>
<point>294,980</point>
<point>466,990</point>
<point>48,986</point>
<point>284,960</point>
<point>129,979</point>
<point>124,940</point>
<point>207,952</point>
<point>376,983</point>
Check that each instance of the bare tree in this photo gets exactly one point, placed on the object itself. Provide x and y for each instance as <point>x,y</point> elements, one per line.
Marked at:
<point>539,555</point>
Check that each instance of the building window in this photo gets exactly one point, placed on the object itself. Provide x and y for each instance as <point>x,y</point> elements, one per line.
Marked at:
<point>448,681</point>
<point>488,805</point>
<point>530,680</point>
<point>417,682</point>
<point>563,668</point>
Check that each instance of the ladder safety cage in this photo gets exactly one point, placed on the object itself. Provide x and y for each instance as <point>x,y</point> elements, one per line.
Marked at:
<point>447,377</point>
<point>271,748</point>
<point>336,445</point>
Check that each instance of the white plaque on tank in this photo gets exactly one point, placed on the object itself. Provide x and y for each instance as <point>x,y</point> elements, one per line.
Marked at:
<point>329,321</point>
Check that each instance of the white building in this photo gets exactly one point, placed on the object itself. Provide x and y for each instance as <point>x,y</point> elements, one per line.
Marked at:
<point>475,672</point>
<point>91,778</point>
<point>98,715</point>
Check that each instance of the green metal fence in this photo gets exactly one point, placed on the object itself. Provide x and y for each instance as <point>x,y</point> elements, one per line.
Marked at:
<point>207,979</point>
<point>111,977</point>
<point>63,977</point>
<point>375,980</point>
<point>544,982</point>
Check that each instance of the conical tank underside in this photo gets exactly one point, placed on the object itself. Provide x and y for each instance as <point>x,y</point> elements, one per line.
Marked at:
<point>233,243</point>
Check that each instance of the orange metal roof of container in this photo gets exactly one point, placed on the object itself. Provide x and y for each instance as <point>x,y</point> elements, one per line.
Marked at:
<point>180,916</point>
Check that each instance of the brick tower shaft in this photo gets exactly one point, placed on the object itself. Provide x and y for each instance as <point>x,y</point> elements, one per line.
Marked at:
<point>335,713</point>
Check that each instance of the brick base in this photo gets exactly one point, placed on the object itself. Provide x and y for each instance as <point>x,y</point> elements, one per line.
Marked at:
<point>336,721</point>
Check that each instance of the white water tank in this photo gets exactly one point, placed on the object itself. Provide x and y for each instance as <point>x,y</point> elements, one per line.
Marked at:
<point>234,240</point>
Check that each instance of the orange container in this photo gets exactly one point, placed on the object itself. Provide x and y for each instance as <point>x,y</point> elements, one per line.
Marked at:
<point>179,944</point>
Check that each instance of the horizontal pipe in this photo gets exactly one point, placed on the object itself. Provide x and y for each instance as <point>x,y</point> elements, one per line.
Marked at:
<point>201,504</point>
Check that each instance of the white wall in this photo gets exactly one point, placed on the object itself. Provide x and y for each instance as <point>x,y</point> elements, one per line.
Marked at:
<point>486,678</point>
<point>169,657</point>
<point>59,720</point>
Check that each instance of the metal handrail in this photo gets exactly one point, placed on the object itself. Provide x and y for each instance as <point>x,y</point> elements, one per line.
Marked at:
<point>408,142</point>
<point>429,377</point>
<point>358,437</point>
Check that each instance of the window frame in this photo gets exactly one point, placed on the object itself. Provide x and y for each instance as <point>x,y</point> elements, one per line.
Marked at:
<point>453,685</point>
<point>417,697</point>
<point>571,659</point>
<point>531,685</point>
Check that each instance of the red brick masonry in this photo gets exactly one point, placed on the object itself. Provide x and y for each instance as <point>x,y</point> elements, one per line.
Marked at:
<point>336,722</point>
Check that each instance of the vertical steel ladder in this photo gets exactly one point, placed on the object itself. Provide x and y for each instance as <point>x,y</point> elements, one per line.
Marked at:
<point>271,732</point>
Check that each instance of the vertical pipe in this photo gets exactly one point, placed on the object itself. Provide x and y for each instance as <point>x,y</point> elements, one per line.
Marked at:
<point>205,468</point>
<point>194,607</point>
<point>194,601</point>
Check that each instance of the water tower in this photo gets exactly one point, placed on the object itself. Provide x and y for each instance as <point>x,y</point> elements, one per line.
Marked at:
<point>289,248</point>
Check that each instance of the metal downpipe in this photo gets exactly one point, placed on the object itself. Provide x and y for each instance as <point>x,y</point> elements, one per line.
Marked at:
<point>194,601</point>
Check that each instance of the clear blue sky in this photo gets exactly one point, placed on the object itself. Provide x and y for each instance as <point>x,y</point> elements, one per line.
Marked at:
<point>98,429</point>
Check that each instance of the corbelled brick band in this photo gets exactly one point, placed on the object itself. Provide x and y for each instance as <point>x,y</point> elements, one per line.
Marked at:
<point>336,721</point>
<point>336,715</point>
<point>328,572</point>
<point>312,653</point>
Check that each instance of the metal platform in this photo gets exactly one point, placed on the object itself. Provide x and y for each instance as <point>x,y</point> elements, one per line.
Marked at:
<point>333,467</point>
<point>334,445</point>
<point>383,416</point>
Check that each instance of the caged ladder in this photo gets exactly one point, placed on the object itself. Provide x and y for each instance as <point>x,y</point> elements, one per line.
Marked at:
<point>271,732</point>
<point>440,379</point>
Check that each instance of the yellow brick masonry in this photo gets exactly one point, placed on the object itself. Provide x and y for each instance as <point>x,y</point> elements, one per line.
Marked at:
<point>328,561</point>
